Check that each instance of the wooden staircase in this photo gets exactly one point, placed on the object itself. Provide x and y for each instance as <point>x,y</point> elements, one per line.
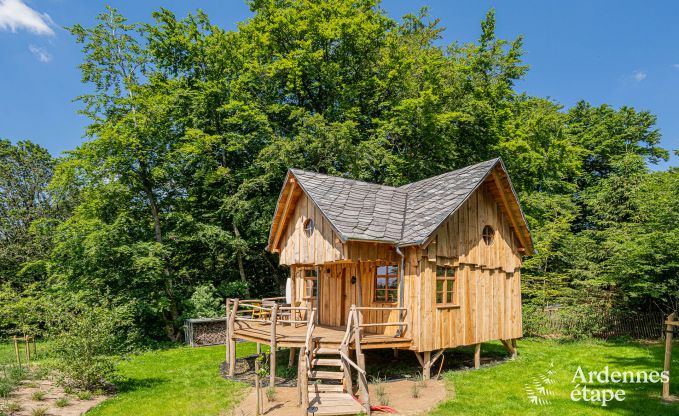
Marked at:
<point>324,374</point>
<point>328,384</point>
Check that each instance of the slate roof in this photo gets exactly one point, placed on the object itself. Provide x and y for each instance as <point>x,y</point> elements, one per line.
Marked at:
<point>406,215</point>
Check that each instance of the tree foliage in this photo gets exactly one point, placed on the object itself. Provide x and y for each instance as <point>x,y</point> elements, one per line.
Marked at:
<point>193,128</point>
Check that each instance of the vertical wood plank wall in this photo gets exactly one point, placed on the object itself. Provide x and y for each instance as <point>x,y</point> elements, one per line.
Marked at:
<point>488,280</point>
<point>338,294</point>
<point>324,244</point>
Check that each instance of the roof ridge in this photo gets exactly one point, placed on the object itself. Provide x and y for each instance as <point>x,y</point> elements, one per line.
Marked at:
<point>293,170</point>
<point>407,185</point>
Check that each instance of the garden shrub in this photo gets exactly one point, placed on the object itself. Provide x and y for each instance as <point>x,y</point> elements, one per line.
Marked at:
<point>205,303</point>
<point>85,345</point>
<point>576,321</point>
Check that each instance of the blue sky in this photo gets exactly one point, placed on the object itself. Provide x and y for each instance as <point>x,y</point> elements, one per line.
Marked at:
<point>615,52</point>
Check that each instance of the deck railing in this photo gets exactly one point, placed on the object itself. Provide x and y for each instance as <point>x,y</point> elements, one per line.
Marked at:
<point>265,312</point>
<point>401,324</point>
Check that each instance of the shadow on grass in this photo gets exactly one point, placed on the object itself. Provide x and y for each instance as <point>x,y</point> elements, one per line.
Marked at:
<point>136,384</point>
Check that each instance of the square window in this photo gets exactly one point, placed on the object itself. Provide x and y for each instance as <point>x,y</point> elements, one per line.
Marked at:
<point>386,283</point>
<point>445,285</point>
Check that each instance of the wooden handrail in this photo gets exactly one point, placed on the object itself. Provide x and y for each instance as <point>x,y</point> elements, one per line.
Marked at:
<point>383,324</point>
<point>248,305</point>
<point>380,308</point>
<point>347,332</point>
<point>353,364</point>
<point>241,318</point>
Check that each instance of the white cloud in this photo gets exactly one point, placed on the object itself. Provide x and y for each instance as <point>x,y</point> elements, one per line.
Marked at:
<point>15,15</point>
<point>40,53</point>
<point>639,75</point>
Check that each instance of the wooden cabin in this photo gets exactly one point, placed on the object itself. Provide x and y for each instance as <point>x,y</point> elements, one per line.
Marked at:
<point>427,266</point>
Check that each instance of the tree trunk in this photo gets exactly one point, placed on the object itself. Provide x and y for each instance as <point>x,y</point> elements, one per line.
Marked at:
<point>172,332</point>
<point>241,268</point>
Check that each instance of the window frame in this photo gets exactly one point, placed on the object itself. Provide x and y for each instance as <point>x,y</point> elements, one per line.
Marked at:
<point>447,275</point>
<point>388,276</point>
<point>309,227</point>
<point>491,235</point>
<point>310,279</point>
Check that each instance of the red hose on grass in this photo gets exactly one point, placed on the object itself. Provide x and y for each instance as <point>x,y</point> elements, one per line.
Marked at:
<point>387,409</point>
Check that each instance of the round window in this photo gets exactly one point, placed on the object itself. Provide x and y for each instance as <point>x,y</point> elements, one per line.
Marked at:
<point>309,227</point>
<point>488,235</point>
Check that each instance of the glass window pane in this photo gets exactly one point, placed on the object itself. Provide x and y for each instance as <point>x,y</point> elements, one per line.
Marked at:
<point>450,272</point>
<point>439,285</point>
<point>449,297</point>
<point>393,270</point>
<point>392,295</point>
<point>439,297</point>
<point>393,282</point>
<point>381,282</point>
<point>380,294</point>
<point>449,285</point>
<point>440,272</point>
<point>381,270</point>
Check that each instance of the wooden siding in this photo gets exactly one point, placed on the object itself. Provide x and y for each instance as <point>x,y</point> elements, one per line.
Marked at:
<point>489,308</point>
<point>337,294</point>
<point>324,244</point>
<point>459,239</point>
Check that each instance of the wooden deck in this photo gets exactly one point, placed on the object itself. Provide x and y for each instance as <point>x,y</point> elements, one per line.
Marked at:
<point>326,336</point>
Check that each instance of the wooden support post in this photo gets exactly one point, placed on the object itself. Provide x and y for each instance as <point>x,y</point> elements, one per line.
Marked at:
<point>27,347</point>
<point>360,361</point>
<point>258,387</point>
<point>227,333</point>
<point>395,352</point>
<point>346,381</point>
<point>272,361</point>
<point>426,367</point>
<point>16,350</point>
<point>303,378</point>
<point>232,339</point>
<point>291,358</point>
<point>510,346</point>
<point>300,368</point>
<point>477,356</point>
<point>669,329</point>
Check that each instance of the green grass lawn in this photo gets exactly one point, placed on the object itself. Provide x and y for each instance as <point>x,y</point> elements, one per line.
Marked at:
<point>178,381</point>
<point>501,389</point>
<point>186,381</point>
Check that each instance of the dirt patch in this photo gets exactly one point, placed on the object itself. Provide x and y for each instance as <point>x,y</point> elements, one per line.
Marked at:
<point>24,399</point>
<point>398,394</point>
<point>244,371</point>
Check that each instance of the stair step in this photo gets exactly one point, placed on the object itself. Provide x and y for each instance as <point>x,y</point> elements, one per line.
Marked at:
<point>333,362</point>
<point>330,375</point>
<point>318,388</point>
<point>335,404</point>
<point>326,351</point>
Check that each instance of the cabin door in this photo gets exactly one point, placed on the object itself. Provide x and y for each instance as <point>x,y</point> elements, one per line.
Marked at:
<point>331,308</point>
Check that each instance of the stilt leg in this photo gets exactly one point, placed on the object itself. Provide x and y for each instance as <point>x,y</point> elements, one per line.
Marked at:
<point>291,359</point>
<point>426,368</point>
<point>477,356</point>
